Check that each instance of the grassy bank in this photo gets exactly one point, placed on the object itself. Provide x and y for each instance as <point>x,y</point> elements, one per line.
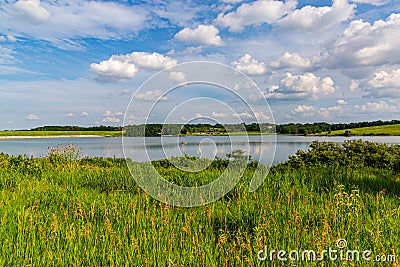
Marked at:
<point>60,211</point>
<point>60,133</point>
<point>393,130</point>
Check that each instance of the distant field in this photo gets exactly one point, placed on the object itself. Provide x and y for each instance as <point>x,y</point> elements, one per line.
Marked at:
<point>56,133</point>
<point>373,130</point>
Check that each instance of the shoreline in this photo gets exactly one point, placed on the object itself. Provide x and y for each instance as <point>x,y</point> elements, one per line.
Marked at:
<point>19,137</point>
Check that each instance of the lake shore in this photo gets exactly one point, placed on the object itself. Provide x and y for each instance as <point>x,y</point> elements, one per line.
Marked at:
<point>17,137</point>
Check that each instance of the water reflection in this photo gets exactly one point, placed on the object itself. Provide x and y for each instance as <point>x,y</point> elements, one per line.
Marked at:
<point>151,148</point>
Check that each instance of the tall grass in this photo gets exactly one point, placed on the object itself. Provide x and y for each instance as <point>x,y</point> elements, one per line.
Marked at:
<point>90,212</point>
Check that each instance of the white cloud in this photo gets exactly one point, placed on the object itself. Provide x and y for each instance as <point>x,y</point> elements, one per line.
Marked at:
<point>61,22</point>
<point>6,56</point>
<point>108,114</point>
<point>8,38</point>
<point>243,115</point>
<point>304,109</point>
<point>292,62</point>
<point>119,113</point>
<point>113,69</point>
<point>385,79</point>
<point>33,10</point>
<point>119,67</point>
<point>302,87</point>
<point>248,65</point>
<point>70,115</point>
<point>261,116</point>
<point>84,114</point>
<point>380,106</point>
<point>372,2</point>
<point>32,117</point>
<point>365,44</point>
<point>110,120</point>
<point>341,102</point>
<point>193,50</point>
<point>255,13</point>
<point>151,96</point>
<point>153,61</point>
<point>232,1</point>
<point>218,115</point>
<point>354,85</point>
<point>311,18</point>
<point>203,34</point>
<point>177,76</point>
<point>385,84</point>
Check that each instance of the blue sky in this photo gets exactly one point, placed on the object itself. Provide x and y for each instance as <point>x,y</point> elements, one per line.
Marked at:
<point>70,62</point>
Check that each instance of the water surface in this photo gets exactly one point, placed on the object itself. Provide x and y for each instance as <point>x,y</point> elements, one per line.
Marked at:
<point>143,149</point>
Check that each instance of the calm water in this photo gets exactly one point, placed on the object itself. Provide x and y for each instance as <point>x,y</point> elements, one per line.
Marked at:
<point>143,149</point>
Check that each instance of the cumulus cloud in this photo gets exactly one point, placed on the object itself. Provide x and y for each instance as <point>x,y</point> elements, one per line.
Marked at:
<point>203,34</point>
<point>259,115</point>
<point>304,108</point>
<point>6,56</point>
<point>70,115</point>
<point>380,106</point>
<point>119,67</point>
<point>385,84</point>
<point>32,117</point>
<point>292,62</point>
<point>84,114</point>
<point>9,38</point>
<point>311,18</point>
<point>151,96</point>
<point>248,65</point>
<point>113,69</point>
<point>302,87</point>
<point>255,13</point>
<point>153,61</point>
<point>110,120</point>
<point>354,85</point>
<point>243,115</point>
<point>108,114</point>
<point>177,76</point>
<point>385,79</point>
<point>341,102</point>
<point>218,115</point>
<point>366,44</point>
<point>33,10</point>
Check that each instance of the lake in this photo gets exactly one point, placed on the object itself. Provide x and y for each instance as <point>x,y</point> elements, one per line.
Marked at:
<point>142,149</point>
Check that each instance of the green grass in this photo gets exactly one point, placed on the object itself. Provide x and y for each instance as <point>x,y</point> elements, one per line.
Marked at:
<point>60,212</point>
<point>59,133</point>
<point>373,130</point>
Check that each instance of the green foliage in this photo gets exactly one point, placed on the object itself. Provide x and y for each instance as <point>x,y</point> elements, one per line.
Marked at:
<point>194,129</point>
<point>95,215</point>
<point>336,129</point>
<point>352,153</point>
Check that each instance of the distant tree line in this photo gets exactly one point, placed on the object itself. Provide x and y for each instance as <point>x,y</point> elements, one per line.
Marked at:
<point>318,127</point>
<point>175,129</point>
<point>78,128</point>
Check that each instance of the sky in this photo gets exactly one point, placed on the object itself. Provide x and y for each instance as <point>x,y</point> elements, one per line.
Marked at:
<point>70,62</point>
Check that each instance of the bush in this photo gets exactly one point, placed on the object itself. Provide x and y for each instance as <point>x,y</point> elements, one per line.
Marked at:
<point>354,153</point>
